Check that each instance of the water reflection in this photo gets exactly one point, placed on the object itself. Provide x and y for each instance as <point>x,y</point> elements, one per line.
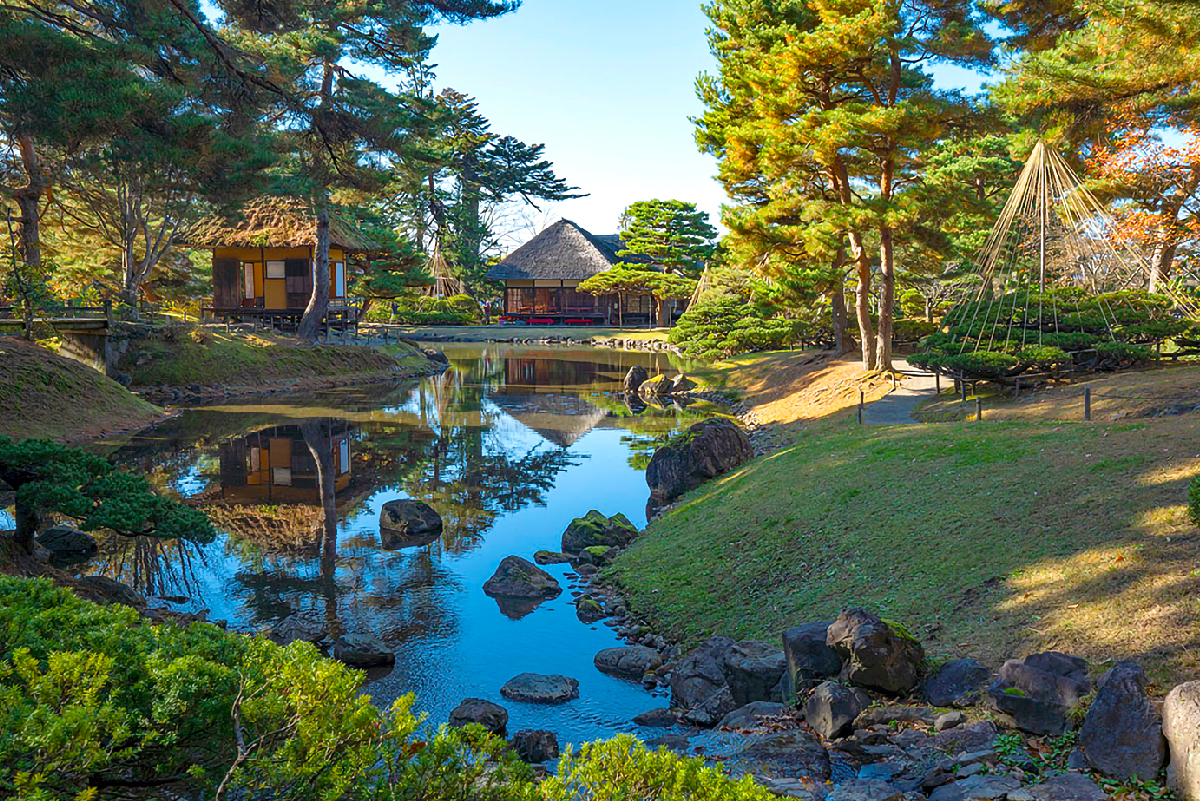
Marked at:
<point>507,446</point>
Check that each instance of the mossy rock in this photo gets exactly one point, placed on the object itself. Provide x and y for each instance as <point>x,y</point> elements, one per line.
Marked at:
<point>595,529</point>
<point>589,610</point>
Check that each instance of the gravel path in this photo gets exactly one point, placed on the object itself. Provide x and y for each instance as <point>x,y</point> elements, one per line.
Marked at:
<point>896,407</point>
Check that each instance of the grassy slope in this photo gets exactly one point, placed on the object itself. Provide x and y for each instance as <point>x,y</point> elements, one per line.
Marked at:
<point>987,539</point>
<point>45,395</point>
<point>222,360</point>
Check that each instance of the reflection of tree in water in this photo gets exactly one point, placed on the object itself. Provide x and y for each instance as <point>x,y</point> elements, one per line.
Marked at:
<point>151,565</point>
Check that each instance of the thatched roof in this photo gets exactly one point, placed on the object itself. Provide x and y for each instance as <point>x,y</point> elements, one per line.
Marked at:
<point>276,222</point>
<point>564,251</point>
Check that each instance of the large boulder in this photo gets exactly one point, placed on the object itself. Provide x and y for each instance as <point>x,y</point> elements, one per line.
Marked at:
<point>363,651</point>
<point>751,715</point>
<point>832,708</point>
<point>492,717</point>
<point>1122,733</point>
<point>699,689</point>
<point>104,590</point>
<point>957,683</point>
<point>521,579</point>
<point>67,545</point>
<point>793,752</point>
<point>295,628</point>
<point>810,660</point>
<point>874,654</point>
<point>594,529</point>
<point>865,790</point>
<point>753,671</point>
<point>535,745</point>
<point>589,610</point>
<point>408,523</point>
<point>1039,691</point>
<point>1181,725</point>
<point>534,688</point>
<point>629,662</point>
<point>1068,787</point>
<point>705,451</point>
<point>634,379</point>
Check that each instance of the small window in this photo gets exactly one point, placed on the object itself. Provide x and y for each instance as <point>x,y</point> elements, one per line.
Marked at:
<point>277,269</point>
<point>281,476</point>
<point>339,279</point>
<point>248,281</point>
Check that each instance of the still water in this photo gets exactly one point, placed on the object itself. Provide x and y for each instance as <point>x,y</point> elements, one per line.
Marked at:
<point>509,445</point>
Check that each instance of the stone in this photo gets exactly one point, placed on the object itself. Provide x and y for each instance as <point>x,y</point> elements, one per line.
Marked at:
<point>865,790</point>
<point>535,688</point>
<point>750,715</point>
<point>1181,726</point>
<point>832,709</point>
<point>706,450</point>
<point>598,555</point>
<point>949,720</point>
<point>67,545</point>
<point>810,660</point>
<point>408,524</point>
<point>594,529</point>
<point>682,384</point>
<point>794,752</point>
<point>436,356</point>
<point>712,709</point>
<point>753,670</point>
<point>978,736</point>
<point>628,662</point>
<point>700,676</point>
<point>887,715</point>
<point>295,628</point>
<point>876,656</point>
<point>1068,787</point>
<point>551,558</point>
<point>104,590</point>
<point>957,683</point>
<point>634,379</point>
<point>492,717</point>
<point>589,610</point>
<point>1122,734</point>
<point>535,746</point>
<point>362,651</point>
<point>656,718</point>
<point>519,578</point>
<point>1039,691</point>
<point>978,787</point>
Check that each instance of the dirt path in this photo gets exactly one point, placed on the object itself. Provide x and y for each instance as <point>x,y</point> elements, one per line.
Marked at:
<point>896,408</point>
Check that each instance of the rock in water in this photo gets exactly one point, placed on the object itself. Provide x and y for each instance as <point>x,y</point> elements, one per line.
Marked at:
<point>537,689</point>
<point>634,379</point>
<point>298,628</point>
<point>810,660</point>
<point>1038,691</point>
<point>521,579</point>
<point>656,718</point>
<point>535,746</point>
<point>492,717</point>
<point>407,523</point>
<point>698,686</point>
<point>1181,725</point>
<point>630,662</point>
<point>705,451</point>
<point>833,707</point>
<point>589,610</point>
<point>1122,733</point>
<point>875,656</point>
<point>753,671</point>
<point>362,651</point>
<point>594,529</point>
<point>104,590</point>
<point>956,683</point>
<point>751,715</point>
<point>551,558</point>
<point>67,545</point>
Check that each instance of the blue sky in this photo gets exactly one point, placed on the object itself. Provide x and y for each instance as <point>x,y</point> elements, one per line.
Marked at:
<point>608,87</point>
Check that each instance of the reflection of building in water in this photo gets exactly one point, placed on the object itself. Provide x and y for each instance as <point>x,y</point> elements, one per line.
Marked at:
<point>275,465</point>
<point>561,419</point>
<point>552,372</point>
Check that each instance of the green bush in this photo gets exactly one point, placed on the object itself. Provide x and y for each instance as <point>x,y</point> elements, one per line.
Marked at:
<point>1194,500</point>
<point>913,330</point>
<point>622,769</point>
<point>93,700</point>
<point>424,310</point>
<point>722,325</point>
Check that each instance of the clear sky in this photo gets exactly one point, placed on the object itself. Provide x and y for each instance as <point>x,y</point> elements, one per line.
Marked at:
<point>606,85</point>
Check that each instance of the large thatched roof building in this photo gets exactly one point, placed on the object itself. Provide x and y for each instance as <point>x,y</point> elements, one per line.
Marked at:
<point>263,259</point>
<point>541,276</point>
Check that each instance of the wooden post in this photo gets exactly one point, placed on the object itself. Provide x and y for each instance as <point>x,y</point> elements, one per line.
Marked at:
<point>978,408</point>
<point>861,401</point>
<point>962,385</point>
<point>937,379</point>
<point>108,314</point>
<point>1087,404</point>
<point>1017,389</point>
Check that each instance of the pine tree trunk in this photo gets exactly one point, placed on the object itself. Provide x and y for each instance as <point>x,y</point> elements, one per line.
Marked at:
<point>29,236</point>
<point>322,453</point>
<point>862,300</point>
<point>318,302</point>
<point>1160,267</point>
<point>842,341</point>
<point>28,522</point>
<point>887,298</point>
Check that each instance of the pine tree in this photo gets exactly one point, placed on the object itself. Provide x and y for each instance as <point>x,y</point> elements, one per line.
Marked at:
<point>671,233</point>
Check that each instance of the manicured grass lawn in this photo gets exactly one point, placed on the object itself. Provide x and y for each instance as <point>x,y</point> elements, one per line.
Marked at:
<point>221,360</point>
<point>46,395</point>
<point>985,539</point>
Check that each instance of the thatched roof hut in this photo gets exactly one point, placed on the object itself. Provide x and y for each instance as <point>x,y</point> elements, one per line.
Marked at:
<point>563,252</point>
<point>276,222</point>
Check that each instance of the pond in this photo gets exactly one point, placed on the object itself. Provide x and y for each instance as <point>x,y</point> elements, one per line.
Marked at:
<point>509,445</point>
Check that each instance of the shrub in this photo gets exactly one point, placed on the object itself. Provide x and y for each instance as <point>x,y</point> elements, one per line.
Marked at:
<point>424,310</point>
<point>93,700</point>
<point>622,769</point>
<point>1194,500</point>
<point>722,325</point>
<point>913,330</point>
